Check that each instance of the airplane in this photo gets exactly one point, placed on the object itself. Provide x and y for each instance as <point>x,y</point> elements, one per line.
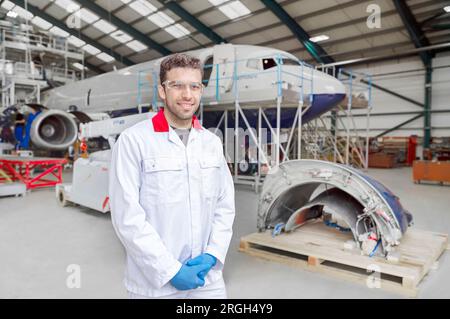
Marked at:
<point>254,75</point>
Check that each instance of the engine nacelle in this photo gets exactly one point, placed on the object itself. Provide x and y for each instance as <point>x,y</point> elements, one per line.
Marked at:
<point>54,130</point>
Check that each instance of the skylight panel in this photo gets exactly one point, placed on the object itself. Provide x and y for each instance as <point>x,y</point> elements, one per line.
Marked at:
<point>59,32</point>
<point>234,9</point>
<point>87,16</point>
<point>105,57</point>
<point>121,36</point>
<point>143,7</point>
<point>161,19</point>
<point>23,13</point>
<point>68,5</point>
<point>8,5</point>
<point>104,26</point>
<point>217,2</point>
<point>137,46</point>
<point>91,49</point>
<point>75,41</point>
<point>41,23</point>
<point>177,30</point>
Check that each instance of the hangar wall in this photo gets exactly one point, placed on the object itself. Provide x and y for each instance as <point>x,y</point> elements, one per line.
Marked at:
<point>391,75</point>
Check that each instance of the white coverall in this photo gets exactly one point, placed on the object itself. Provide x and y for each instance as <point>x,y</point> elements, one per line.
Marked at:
<point>169,203</point>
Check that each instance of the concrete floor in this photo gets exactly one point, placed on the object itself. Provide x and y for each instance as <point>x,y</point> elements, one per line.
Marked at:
<point>39,240</point>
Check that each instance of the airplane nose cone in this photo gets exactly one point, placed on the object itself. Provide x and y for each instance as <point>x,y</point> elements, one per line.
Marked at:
<point>339,86</point>
<point>333,85</point>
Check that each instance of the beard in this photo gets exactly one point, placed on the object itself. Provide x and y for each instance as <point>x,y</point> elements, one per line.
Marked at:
<point>180,113</point>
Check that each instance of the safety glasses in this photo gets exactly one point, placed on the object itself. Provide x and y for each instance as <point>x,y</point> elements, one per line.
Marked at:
<point>196,87</point>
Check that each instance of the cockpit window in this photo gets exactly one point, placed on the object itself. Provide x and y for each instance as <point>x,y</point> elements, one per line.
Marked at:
<point>253,64</point>
<point>207,70</point>
<point>287,61</point>
<point>270,63</point>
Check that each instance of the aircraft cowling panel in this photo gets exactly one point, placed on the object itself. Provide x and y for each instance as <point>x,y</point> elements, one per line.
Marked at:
<point>299,191</point>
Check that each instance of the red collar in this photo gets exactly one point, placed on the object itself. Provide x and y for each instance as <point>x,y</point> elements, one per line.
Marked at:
<point>160,123</point>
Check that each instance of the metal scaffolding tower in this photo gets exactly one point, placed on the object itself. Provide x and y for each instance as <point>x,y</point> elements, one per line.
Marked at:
<point>31,61</point>
<point>265,129</point>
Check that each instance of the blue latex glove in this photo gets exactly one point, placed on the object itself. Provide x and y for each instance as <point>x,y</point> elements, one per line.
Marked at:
<point>187,277</point>
<point>203,259</point>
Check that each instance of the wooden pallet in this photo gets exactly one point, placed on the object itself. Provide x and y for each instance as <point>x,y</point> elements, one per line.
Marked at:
<point>318,248</point>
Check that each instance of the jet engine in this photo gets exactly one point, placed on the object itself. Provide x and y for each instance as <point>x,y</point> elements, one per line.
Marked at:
<point>54,130</point>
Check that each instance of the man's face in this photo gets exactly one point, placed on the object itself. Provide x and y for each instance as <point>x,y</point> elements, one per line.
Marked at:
<point>181,101</point>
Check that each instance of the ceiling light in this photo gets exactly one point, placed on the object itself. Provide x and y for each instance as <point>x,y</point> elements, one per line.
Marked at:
<point>319,38</point>
<point>11,14</point>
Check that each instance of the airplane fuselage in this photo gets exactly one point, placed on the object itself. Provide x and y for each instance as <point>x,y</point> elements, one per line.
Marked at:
<point>249,73</point>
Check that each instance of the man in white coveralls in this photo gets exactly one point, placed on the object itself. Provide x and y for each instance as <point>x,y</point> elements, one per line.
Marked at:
<point>172,194</point>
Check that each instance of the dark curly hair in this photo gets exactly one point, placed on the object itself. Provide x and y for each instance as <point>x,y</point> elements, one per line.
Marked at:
<point>178,60</point>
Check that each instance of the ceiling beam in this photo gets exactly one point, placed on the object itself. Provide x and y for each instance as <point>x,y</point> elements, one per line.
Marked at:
<point>315,14</point>
<point>123,26</point>
<point>433,17</point>
<point>38,12</point>
<point>339,41</point>
<point>344,40</point>
<point>194,22</point>
<point>400,125</point>
<point>414,30</point>
<point>334,27</point>
<point>315,50</point>
<point>437,47</point>
<point>263,10</point>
